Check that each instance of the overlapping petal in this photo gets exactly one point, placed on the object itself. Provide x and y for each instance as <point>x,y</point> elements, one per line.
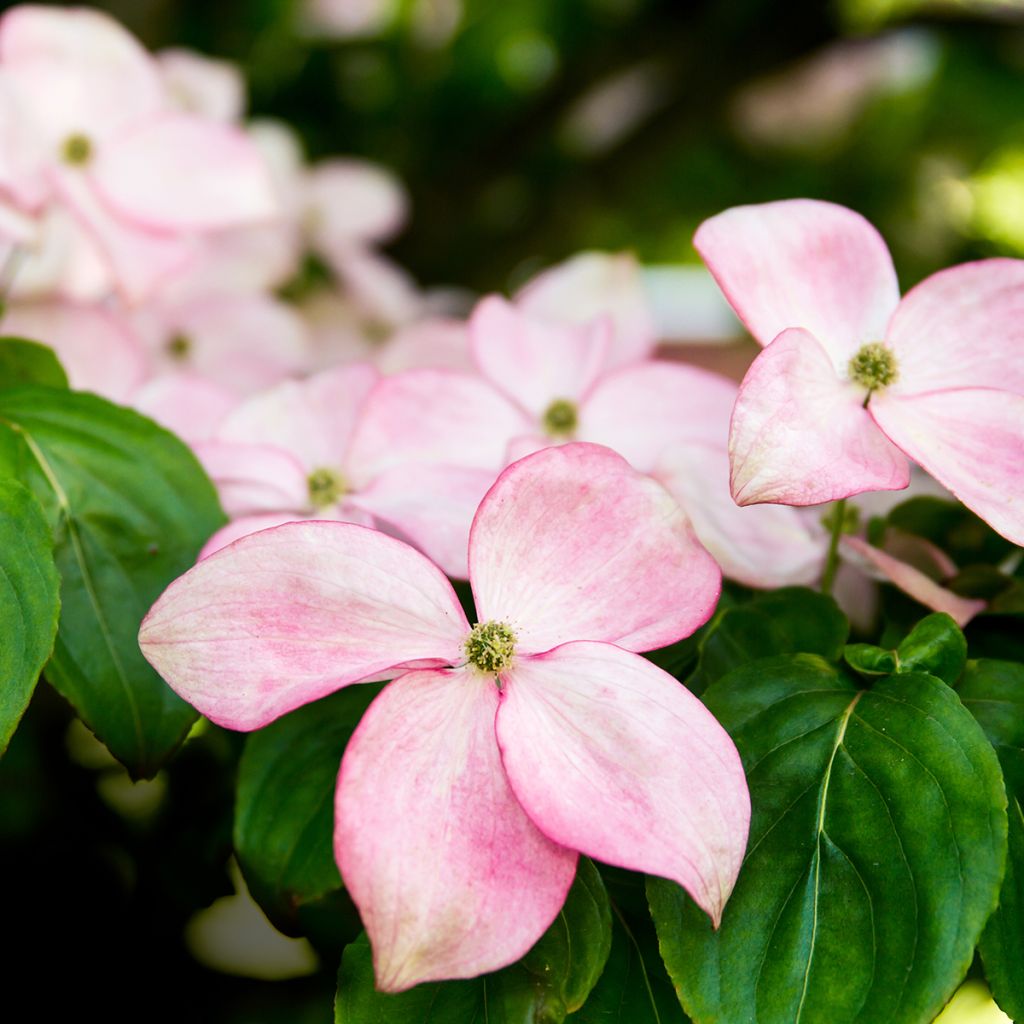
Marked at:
<point>255,478</point>
<point>803,263</point>
<point>572,543</point>
<point>800,434</point>
<point>288,615</point>
<point>450,876</point>
<point>611,756</point>
<point>972,441</point>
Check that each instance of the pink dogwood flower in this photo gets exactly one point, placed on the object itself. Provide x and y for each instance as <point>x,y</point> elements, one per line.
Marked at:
<point>854,380</point>
<point>500,750</point>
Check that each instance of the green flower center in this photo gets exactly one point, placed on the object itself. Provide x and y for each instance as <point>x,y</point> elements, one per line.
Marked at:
<point>179,348</point>
<point>560,418</point>
<point>874,366</point>
<point>326,486</point>
<point>77,150</point>
<point>490,647</point>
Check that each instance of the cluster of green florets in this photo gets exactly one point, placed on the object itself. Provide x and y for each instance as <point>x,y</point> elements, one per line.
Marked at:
<point>873,367</point>
<point>560,418</point>
<point>326,486</point>
<point>77,150</point>
<point>490,647</point>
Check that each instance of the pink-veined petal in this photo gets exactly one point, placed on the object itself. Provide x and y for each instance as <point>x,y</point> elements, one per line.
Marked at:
<point>450,876</point>
<point>800,434</point>
<point>312,419</point>
<point>534,362</point>
<point>430,506</point>
<point>914,582</point>
<point>760,545</point>
<point>97,348</point>
<point>593,284</point>
<point>254,478</point>
<point>611,756</point>
<point>641,409</point>
<point>962,327</point>
<point>803,263</point>
<point>181,173</point>
<point>285,616</point>
<point>972,441</point>
<point>246,525</point>
<point>572,543</point>
<point>433,416</point>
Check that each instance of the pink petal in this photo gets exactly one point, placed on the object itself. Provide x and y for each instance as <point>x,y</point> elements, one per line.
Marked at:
<point>203,85</point>
<point>254,478</point>
<point>572,543</point>
<point>803,263</point>
<point>98,349</point>
<point>914,582</point>
<point>430,506</point>
<point>611,756</point>
<point>801,436</point>
<point>246,525</point>
<point>761,545</point>
<point>286,616</point>
<point>594,284</point>
<point>641,409</point>
<point>962,327</point>
<point>433,416</point>
<point>350,200</point>
<point>190,406</point>
<point>313,419</point>
<point>534,362</point>
<point>438,342</point>
<point>451,878</point>
<point>972,441</point>
<point>78,70</point>
<point>181,173</point>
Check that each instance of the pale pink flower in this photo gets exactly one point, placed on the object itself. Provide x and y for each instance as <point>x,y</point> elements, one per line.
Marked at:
<point>501,749</point>
<point>203,85</point>
<point>853,380</point>
<point>290,453</point>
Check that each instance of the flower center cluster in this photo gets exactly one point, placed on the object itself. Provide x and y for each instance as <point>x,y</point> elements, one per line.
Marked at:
<point>77,150</point>
<point>179,348</point>
<point>490,647</point>
<point>560,418</point>
<point>326,486</point>
<point>874,366</point>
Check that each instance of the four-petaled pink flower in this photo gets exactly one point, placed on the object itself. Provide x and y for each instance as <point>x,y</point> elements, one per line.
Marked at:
<point>500,750</point>
<point>852,379</point>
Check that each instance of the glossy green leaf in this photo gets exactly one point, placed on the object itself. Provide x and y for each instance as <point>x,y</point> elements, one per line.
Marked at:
<point>876,852</point>
<point>284,811</point>
<point>993,691</point>
<point>956,530</point>
<point>551,981</point>
<point>787,621</point>
<point>129,508</point>
<point>934,646</point>
<point>869,660</point>
<point>27,362</point>
<point>29,601</point>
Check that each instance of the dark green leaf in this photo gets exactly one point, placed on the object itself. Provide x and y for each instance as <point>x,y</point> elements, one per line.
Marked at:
<point>934,646</point>
<point>993,691</point>
<point>28,362</point>
<point>787,621</point>
<point>284,811</point>
<point>552,980</point>
<point>869,660</point>
<point>29,601</point>
<point>876,852</point>
<point>129,508</point>
<point>956,530</point>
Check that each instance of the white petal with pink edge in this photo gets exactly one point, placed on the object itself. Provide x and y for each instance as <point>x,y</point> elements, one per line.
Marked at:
<point>285,616</point>
<point>800,434</point>
<point>962,327</point>
<point>611,756</point>
<point>972,441</point>
<point>533,362</point>
<point>181,173</point>
<point>803,263</point>
<point>254,478</point>
<point>572,543</point>
<point>450,876</point>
